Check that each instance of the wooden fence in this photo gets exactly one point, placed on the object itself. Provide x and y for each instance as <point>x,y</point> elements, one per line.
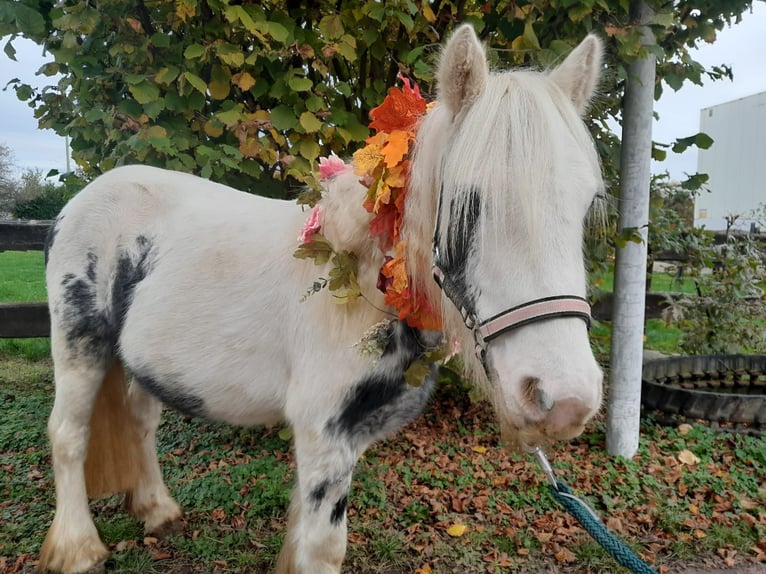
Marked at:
<point>24,320</point>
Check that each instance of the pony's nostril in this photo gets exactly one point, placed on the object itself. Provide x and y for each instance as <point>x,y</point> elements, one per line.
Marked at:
<point>536,396</point>
<point>544,400</point>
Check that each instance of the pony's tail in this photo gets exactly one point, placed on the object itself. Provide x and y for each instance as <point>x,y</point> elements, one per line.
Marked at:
<point>115,460</point>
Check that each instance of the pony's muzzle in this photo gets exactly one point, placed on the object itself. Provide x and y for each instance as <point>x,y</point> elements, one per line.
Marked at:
<point>554,419</point>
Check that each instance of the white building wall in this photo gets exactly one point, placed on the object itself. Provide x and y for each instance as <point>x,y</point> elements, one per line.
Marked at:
<point>736,162</point>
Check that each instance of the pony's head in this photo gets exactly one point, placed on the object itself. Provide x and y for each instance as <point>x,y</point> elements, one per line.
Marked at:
<point>507,168</point>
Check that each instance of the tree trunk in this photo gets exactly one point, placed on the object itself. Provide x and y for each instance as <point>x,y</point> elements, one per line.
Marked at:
<point>624,398</point>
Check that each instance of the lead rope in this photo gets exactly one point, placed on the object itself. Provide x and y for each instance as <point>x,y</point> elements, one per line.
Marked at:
<point>589,520</point>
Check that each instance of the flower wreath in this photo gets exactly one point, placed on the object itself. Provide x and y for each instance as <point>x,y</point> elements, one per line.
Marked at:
<point>383,165</point>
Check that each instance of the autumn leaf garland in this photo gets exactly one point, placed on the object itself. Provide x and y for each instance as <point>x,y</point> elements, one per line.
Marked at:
<point>383,166</point>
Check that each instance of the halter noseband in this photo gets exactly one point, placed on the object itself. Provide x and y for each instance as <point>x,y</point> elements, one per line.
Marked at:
<point>530,312</point>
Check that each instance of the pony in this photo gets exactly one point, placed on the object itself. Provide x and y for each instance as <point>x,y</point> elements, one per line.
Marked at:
<point>167,289</point>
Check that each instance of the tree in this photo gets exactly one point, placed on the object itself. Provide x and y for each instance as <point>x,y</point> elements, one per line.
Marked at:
<point>7,181</point>
<point>624,400</point>
<point>251,94</point>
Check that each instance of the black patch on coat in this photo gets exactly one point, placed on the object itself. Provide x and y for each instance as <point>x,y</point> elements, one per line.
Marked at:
<point>339,510</point>
<point>87,327</point>
<point>170,391</point>
<point>382,401</point>
<point>50,237</point>
<point>318,494</point>
<point>93,329</point>
<point>461,234</point>
<point>130,272</point>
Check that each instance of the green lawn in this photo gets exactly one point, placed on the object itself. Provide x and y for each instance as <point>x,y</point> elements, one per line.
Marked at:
<point>448,468</point>
<point>662,281</point>
<point>22,280</point>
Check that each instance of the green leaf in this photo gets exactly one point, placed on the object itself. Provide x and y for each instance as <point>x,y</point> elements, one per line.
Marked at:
<point>220,82</point>
<point>664,19</point>
<point>155,108</point>
<point>310,123</point>
<point>319,249</point>
<point>417,372</point>
<point>9,50</point>
<point>658,154</point>
<point>695,182</point>
<point>579,13</point>
<point>231,55</point>
<point>167,74</point>
<point>299,84</point>
<point>145,92</point>
<point>160,40</point>
<point>29,22</point>
<point>530,37</point>
<point>331,27</point>
<point>405,19</point>
<point>283,118</point>
<point>701,140</point>
<point>314,103</point>
<point>309,149</point>
<point>194,51</point>
<point>230,118</point>
<point>275,30</point>
<point>23,92</point>
<point>197,82</point>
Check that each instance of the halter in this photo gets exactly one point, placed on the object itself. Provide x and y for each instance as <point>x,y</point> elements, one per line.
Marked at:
<point>489,329</point>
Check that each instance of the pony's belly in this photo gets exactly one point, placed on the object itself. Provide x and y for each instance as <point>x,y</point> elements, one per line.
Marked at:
<point>238,407</point>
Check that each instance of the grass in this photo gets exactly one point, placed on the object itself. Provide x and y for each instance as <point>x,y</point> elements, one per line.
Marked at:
<point>662,282</point>
<point>23,281</point>
<point>448,468</point>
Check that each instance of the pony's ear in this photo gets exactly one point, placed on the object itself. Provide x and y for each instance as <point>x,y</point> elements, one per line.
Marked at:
<point>463,69</point>
<point>579,74</point>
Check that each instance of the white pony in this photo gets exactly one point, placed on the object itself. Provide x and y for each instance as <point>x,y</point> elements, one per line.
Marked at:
<point>189,291</point>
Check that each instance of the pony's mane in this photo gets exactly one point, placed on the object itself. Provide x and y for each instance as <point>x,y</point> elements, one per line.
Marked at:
<point>502,147</point>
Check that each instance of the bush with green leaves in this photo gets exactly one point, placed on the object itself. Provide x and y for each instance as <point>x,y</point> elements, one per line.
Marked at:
<point>250,94</point>
<point>46,205</point>
<point>727,313</point>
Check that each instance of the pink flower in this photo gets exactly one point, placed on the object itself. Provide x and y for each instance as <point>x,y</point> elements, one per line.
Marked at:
<point>331,166</point>
<point>312,226</point>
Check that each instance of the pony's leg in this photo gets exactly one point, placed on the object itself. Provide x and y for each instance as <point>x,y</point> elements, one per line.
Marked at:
<point>315,542</point>
<point>72,544</point>
<point>332,429</point>
<point>149,500</point>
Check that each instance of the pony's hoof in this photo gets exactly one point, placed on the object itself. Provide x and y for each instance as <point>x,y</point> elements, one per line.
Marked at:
<point>167,528</point>
<point>85,557</point>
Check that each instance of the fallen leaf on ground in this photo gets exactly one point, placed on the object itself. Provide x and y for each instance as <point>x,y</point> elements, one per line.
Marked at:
<point>688,457</point>
<point>457,530</point>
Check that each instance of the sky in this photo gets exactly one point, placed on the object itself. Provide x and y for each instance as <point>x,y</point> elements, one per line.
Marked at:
<point>740,46</point>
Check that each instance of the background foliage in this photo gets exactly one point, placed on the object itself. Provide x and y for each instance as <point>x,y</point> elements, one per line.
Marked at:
<point>251,94</point>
